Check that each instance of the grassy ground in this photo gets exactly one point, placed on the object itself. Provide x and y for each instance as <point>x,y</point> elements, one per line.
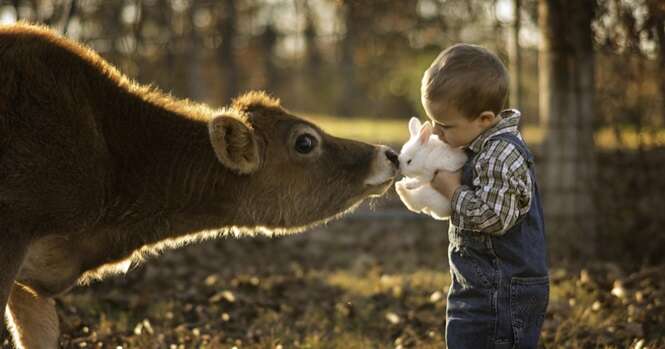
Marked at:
<point>394,131</point>
<point>356,283</point>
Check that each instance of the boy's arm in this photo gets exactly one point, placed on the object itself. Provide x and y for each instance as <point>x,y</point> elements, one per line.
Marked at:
<point>503,191</point>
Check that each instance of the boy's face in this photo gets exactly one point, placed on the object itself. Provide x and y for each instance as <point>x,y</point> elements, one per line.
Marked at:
<point>455,129</point>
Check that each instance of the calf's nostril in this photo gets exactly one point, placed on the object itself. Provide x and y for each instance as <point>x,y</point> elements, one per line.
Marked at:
<point>392,156</point>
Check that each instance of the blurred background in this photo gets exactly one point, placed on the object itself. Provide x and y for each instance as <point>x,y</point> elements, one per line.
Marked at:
<point>588,76</point>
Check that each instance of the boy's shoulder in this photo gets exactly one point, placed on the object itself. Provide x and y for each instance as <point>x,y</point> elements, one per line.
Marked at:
<point>497,144</point>
<point>513,139</point>
<point>505,150</point>
<point>507,126</point>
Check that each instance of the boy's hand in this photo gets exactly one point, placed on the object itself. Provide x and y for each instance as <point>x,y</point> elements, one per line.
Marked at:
<point>446,182</point>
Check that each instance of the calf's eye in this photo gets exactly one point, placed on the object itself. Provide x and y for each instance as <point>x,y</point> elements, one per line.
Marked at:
<point>408,162</point>
<point>305,143</point>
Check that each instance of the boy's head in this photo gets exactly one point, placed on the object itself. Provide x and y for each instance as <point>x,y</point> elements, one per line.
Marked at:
<point>463,91</point>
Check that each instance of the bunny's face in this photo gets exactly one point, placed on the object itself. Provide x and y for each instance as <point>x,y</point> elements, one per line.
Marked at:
<point>413,155</point>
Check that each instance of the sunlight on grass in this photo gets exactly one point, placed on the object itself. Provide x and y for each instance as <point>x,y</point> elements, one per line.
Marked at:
<point>421,280</point>
<point>390,131</point>
<point>394,132</point>
<point>630,139</point>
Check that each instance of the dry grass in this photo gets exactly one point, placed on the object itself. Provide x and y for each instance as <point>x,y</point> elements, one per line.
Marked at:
<point>352,284</point>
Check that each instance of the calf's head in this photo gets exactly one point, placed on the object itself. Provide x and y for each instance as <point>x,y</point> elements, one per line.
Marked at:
<point>288,173</point>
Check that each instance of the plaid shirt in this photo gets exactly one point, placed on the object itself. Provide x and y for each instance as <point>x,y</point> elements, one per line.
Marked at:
<point>502,184</point>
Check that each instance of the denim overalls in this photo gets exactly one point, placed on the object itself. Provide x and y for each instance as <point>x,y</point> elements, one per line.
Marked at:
<point>500,287</point>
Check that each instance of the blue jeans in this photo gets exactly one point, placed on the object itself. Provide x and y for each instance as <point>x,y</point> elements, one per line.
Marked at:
<point>488,307</point>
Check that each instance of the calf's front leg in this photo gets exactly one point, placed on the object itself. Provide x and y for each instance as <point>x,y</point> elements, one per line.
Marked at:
<point>12,253</point>
<point>32,319</point>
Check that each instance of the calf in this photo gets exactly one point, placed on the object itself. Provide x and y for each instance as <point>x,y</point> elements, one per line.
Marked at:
<point>97,171</point>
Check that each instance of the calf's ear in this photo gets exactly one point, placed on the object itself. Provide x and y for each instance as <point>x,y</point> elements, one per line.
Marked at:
<point>234,143</point>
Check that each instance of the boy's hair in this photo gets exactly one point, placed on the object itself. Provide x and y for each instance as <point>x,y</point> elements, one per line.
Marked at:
<point>467,77</point>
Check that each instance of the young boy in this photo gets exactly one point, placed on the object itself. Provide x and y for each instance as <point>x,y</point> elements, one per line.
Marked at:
<point>499,288</point>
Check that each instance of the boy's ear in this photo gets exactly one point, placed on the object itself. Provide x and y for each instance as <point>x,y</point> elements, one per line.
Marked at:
<point>234,144</point>
<point>425,133</point>
<point>487,117</point>
<point>414,126</point>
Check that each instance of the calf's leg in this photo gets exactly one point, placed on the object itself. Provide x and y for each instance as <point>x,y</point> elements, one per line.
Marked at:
<point>12,253</point>
<point>32,319</point>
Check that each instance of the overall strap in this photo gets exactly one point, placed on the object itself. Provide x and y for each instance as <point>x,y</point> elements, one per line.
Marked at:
<point>519,144</point>
<point>467,169</point>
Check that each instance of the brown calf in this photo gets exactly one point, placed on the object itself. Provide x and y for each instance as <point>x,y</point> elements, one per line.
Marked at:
<point>96,171</point>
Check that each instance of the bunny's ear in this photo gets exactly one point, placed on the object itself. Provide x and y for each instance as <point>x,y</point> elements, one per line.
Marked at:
<point>425,133</point>
<point>414,126</point>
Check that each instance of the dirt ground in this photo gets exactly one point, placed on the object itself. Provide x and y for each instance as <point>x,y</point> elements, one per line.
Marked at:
<point>376,279</point>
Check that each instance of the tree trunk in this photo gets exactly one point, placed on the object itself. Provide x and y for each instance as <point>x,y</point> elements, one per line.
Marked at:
<point>68,13</point>
<point>346,100</point>
<point>566,64</point>
<point>139,41</point>
<point>16,4</point>
<point>195,76</point>
<point>227,28</point>
<point>657,14</point>
<point>312,55</point>
<point>661,56</point>
<point>516,58</point>
<point>268,43</point>
<point>165,20</point>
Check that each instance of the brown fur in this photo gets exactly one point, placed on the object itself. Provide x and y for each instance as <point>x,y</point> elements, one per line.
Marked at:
<point>30,314</point>
<point>96,171</point>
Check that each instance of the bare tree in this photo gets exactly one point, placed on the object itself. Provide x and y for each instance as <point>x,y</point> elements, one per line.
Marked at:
<point>566,106</point>
<point>227,27</point>
<point>164,19</point>
<point>347,59</point>
<point>195,76</point>
<point>657,23</point>
<point>269,38</point>
<point>313,55</point>
<point>516,57</point>
<point>68,14</point>
<point>17,4</point>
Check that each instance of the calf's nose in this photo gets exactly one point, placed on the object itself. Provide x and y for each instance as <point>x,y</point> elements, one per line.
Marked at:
<point>392,156</point>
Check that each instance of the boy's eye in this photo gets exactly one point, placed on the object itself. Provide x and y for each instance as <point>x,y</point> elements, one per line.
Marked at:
<point>445,127</point>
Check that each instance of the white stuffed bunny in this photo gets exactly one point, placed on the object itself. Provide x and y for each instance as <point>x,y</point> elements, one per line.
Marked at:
<point>420,157</point>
